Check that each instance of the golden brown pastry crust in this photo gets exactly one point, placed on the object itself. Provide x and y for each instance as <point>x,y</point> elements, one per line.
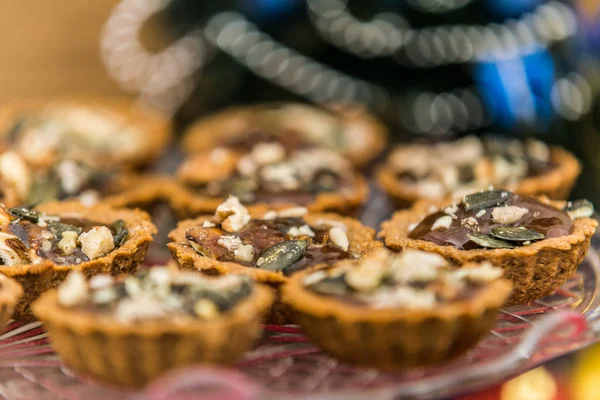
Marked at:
<point>390,339</point>
<point>361,239</point>
<point>208,132</point>
<point>155,126</point>
<point>556,184</point>
<point>134,354</point>
<point>10,293</point>
<point>38,278</point>
<point>536,270</point>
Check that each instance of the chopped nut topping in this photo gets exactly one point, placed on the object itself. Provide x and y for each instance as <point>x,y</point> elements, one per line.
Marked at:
<point>442,223</point>
<point>101,281</point>
<point>339,238</point>
<point>294,212</point>
<point>451,209</point>
<point>303,230</point>
<point>267,153</point>
<point>73,290</point>
<point>482,273</point>
<point>208,224</point>
<point>244,253</point>
<point>206,309</point>
<point>508,214</point>
<point>480,213</point>
<point>232,215</point>
<point>230,242</point>
<point>68,243</point>
<point>97,242</point>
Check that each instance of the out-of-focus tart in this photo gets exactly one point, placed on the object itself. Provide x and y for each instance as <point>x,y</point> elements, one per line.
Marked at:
<point>22,183</point>
<point>349,130</point>
<point>318,179</point>
<point>130,330</point>
<point>419,171</point>
<point>39,248</point>
<point>539,243</point>
<point>397,311</point>
<point>267,245</point>
<point>113,132</point>
<point>10,293</point>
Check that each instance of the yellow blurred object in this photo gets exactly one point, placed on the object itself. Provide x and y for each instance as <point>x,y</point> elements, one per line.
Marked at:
<point>53,48</point>
<point>537,384</point>
<point>586,375</point>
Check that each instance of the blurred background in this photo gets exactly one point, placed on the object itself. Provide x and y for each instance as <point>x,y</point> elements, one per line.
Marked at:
<point>431,69</point>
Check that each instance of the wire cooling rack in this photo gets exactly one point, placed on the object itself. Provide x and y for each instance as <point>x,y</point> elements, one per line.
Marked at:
<point>285,365</point>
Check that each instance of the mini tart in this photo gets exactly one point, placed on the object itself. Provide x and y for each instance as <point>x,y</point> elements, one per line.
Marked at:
<point>148,130</point>
<point>70,180</point>
<point>39,266</point>
<point>349,128</point>
<point>318,179</point>
<point>536,269</point>
<point>470,164</point>
<point>394,312</point>
<point>133,338</point>
<point>356,240</point>
<point>10,293</point>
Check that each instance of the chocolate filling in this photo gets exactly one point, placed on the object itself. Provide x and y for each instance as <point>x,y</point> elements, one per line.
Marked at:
<point>31,235</point>
<point>545,219</point>
<point>264,234</point>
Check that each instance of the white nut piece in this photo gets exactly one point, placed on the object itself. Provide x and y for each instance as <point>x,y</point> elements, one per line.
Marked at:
<point>208,224</point>
<point>303,230</point>
<point>293,212</point>
<point>406,297</point>
<point>140,308</point>
<point>101,281</point>
<point>416,266</point>
<point>442,223</point>
<point>267,153</point>
<point>232,214</point>
<point>206,309</point>
<point>244,253</point>
<point>339,238</point>
<point>366,276</point>
<point>482,273</point>
<point>97,242</point>
<point>508,214</point>
<point>68,243</point>
<point>230,242</point>
<point>73,291</point>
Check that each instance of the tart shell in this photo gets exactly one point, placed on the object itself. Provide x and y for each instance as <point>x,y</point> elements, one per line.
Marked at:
<point>208,132</point>
<point>155,126</point>
<point>38,278</point>
<point>361,239</point>
<point>10,292</point>
<point>536,270</point>
<point>555,184</point>
<point>134,354</point>
<point>392,339</point>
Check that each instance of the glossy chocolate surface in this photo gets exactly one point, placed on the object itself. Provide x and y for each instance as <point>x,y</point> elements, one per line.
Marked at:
<point>542,218</point>
<point>264,234</point>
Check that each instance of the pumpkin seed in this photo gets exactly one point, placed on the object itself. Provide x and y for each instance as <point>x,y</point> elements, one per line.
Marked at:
<point>324,181</point>
<point>25,213</point>
<point>58,228</point>
<point>120,232</point>
<point>489,242</point>
<point>481,200</point>
<point>335,286</point>
<point>515,234</point>
<point>282,255</point>
<point>203,251</point>
<point>579,209</point>
<point>44,189</point>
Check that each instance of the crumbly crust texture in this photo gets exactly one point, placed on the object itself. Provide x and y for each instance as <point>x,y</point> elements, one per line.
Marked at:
<point>389,339</point>
<point>38,278</point>
<point>134,354</point>
<point>536,270</point>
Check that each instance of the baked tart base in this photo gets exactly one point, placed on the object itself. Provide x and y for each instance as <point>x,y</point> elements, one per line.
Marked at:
<point>556,184</point>
<point>536,270</point>
<point>134,354</point>
<point>10,292</point>
<point>392,339</point>
<point>360,238</point>
<point>38,278</point>
<point>367,138</point>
